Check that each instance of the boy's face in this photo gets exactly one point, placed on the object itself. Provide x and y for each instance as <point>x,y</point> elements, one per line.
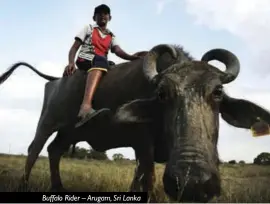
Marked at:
<point>102,18</point>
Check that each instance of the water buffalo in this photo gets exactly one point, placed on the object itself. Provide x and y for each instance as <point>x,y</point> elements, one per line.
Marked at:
<point>165,106</point>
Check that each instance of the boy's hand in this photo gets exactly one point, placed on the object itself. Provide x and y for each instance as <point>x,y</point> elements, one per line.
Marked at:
<point>69,70</point>
<point>139,55</point>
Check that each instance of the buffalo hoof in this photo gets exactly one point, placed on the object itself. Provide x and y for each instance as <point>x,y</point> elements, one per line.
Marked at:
<point>58,189</point>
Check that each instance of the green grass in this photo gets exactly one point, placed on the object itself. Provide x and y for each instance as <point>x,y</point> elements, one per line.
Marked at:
<point>240,183</point>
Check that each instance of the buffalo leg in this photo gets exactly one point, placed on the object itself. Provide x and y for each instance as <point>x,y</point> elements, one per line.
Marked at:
<point>73,150</point>
<point>135,185</point>
<point>55,150</point>
<point>33,151</point>
<point>145,173</point>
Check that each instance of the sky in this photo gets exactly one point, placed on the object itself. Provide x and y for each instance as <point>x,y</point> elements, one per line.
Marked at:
<point>41,33</point>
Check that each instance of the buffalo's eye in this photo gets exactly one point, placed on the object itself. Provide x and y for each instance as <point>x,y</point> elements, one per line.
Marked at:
<point>218,92</point>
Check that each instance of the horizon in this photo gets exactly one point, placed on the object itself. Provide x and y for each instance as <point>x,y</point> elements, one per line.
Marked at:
<point>111,159</point>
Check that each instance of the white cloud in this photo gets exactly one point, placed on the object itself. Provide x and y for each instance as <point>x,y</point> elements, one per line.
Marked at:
<point>247,19</point>
<point>244,18</point>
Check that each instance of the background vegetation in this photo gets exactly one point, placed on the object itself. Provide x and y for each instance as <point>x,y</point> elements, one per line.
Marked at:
<point>88,170</point>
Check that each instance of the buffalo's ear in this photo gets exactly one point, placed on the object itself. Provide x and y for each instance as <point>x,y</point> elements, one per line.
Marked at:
<point>242,113</point>
<point>137,111</point>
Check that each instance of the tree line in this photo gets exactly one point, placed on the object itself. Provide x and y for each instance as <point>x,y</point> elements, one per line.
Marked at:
<point>262,159</point>
<point>82,153</point>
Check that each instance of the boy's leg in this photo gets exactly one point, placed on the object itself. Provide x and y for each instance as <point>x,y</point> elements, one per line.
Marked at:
<point>94,75</point>
<point>92,81</point>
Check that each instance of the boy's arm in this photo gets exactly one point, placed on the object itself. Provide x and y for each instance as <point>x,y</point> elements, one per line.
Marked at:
<point>79,38</point>
<point>117,50</point>
<point>73,50</point>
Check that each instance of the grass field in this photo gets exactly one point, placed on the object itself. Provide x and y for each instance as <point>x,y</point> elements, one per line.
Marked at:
<point>240,183</point>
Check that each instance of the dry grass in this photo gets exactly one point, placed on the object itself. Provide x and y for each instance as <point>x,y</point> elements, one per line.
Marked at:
<point>240,183</point>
